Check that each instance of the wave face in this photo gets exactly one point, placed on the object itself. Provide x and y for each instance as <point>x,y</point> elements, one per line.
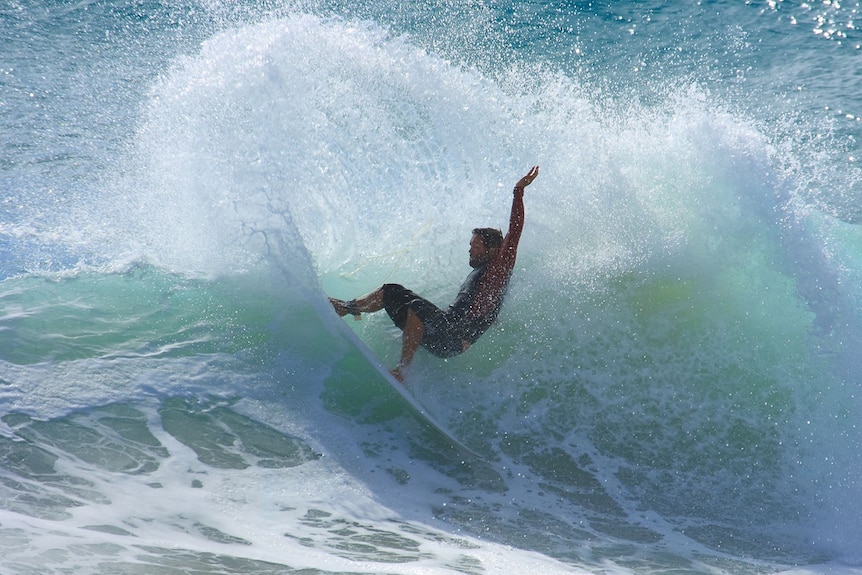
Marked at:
<point>673,383</point>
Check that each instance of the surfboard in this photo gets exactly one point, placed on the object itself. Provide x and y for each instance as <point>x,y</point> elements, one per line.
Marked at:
<point>413,404</point>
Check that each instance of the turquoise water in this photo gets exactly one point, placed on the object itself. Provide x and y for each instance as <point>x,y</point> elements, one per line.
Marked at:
<point>673,385</point>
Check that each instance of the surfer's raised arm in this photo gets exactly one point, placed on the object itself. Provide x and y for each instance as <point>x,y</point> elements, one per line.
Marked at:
<point>447,333</point>
<point>516,219</point>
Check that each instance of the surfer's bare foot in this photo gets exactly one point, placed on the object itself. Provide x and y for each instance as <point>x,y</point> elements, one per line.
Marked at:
<point>339,306</point>
<point>396,373</point>
<point>343,308</point>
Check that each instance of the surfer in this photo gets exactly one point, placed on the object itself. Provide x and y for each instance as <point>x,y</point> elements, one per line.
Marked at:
<point>447,333</point>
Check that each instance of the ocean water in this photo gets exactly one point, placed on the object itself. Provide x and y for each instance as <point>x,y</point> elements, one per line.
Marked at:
<point>674,382</point>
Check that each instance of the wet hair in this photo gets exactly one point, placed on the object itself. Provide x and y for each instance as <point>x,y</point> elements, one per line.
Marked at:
<point>491,237</point>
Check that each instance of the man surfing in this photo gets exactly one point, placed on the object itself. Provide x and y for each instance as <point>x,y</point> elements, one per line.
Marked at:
<point>447,333</point>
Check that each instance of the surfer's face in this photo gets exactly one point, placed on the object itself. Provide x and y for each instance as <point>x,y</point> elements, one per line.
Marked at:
<point>479,252</point>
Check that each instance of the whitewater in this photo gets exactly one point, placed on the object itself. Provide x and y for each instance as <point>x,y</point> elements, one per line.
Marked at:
<point>673,384</point>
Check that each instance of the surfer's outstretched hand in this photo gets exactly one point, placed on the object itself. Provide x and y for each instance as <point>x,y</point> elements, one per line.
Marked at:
<point>528,179</point>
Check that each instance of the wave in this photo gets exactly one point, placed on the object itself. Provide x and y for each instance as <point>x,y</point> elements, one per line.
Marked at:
<point>667,367</point>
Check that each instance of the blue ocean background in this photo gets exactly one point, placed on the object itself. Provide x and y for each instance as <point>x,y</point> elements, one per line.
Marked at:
<point>673,385</point>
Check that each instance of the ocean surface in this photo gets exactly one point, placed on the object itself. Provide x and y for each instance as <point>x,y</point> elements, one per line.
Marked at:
<point>674,384</point>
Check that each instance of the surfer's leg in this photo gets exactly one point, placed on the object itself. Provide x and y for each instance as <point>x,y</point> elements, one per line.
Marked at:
<point>393,297</point>
<point>366,304</point>
<point>413,331</point>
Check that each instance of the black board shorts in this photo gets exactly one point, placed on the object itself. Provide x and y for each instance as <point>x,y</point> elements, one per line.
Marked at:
<point>441,337</point>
